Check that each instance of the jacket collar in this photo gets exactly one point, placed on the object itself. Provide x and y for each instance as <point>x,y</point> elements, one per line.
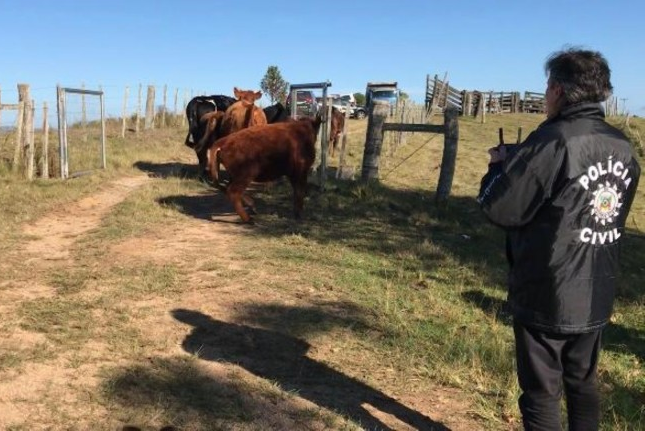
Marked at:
<point>579,110</point>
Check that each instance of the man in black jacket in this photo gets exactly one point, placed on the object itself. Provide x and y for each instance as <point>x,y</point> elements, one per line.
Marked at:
<point>563,196</point>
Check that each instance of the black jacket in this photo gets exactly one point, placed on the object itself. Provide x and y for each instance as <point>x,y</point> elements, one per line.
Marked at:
<point>563,196</point>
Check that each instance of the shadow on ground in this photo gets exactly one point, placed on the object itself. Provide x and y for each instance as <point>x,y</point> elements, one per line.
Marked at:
<point>281,358</point>
<point>168,170</point>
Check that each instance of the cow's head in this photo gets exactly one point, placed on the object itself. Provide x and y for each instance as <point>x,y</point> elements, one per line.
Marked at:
<point>248,97</point>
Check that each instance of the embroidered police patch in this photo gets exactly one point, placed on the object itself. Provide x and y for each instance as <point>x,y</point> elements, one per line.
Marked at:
<point>606,203</point>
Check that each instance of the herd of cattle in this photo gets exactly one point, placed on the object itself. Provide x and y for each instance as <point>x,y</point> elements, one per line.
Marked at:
<point>254,144</point>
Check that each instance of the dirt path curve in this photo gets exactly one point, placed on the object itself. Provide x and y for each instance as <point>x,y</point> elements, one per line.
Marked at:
<point>55,233</point>
<point>51,238</point>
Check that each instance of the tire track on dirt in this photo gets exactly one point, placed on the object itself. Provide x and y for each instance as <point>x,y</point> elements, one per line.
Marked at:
<point>52,236</point>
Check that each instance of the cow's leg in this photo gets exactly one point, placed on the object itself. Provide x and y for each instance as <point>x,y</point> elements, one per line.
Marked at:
<point>299,184</point>
<point>235,193</point>
<point>189,142</point>
<point>248,201</point>
<point>202,158</point>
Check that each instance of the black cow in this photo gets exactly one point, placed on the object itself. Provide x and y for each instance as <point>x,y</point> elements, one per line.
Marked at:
<point>195,110</point>
<point>276,113</point>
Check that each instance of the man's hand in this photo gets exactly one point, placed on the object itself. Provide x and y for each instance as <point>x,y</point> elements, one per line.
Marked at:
<point>497,154</point>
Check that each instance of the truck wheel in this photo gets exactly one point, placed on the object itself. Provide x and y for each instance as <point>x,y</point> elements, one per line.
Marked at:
<point>360,115</point>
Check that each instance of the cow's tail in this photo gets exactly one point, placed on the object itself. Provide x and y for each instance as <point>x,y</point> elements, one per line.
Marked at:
<point>248,117</point>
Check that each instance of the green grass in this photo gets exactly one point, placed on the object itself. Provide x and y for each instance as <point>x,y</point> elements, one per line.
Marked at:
<point>66,322</point>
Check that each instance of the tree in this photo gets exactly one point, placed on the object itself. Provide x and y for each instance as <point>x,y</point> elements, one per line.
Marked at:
<point>360,99</point>
<point>403,95</point>
<point>274,86</point>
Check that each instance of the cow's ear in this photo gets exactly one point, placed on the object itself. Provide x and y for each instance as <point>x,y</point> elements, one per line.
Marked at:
<point>258,94</point>
<point>236,92</point>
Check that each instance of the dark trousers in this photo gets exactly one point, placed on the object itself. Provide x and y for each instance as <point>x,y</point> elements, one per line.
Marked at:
<point>547,361</point>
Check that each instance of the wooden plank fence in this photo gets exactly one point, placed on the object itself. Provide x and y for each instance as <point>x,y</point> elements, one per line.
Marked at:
<point>533,102</point>
<point>439,95</point>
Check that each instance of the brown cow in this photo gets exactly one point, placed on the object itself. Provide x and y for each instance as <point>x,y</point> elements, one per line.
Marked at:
<point>243,113</point>
<point>336,129</point>
<point>264,154</point>
<point>240,115</point>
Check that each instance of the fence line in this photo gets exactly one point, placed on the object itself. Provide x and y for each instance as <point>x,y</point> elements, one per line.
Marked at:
<point>25,148</point>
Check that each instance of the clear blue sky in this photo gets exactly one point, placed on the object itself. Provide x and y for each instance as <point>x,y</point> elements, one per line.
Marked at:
<point>211,46</point>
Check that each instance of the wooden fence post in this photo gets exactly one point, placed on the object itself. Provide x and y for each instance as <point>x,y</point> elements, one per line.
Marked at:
<point>374,140</point>
<point>21,136</point>
<point>183,117</point>
<point>124,111</point>
<point>150,109</point>
<point>17,154</point>
<point>481,110</point>
<point>435,94</point>
<point>428,94</point>
<point>44,167</point>
<point>24,96</point>
<point>136,127</point>
<point>29,125</point>
<point>175,113</point>
<point>451,140</point>
<point>163,107</point>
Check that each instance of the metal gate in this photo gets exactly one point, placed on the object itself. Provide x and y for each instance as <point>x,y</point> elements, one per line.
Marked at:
<point>81,132</point>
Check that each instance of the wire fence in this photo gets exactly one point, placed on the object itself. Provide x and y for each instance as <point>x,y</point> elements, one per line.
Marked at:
<point>26,133</point>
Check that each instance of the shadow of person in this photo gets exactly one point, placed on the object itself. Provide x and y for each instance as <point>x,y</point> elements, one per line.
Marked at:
<point>494,307</point>
<point>282,358</point>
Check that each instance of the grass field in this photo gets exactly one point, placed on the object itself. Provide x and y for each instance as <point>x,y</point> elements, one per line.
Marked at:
<point>379,310</point>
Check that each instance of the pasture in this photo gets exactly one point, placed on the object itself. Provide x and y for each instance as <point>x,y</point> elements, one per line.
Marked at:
<point>135,296</point>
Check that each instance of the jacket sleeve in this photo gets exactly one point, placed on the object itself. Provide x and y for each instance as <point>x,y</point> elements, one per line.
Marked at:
<point>513,191</point>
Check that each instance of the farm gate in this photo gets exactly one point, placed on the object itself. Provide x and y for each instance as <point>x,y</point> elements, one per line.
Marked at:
<point>81,131</point>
